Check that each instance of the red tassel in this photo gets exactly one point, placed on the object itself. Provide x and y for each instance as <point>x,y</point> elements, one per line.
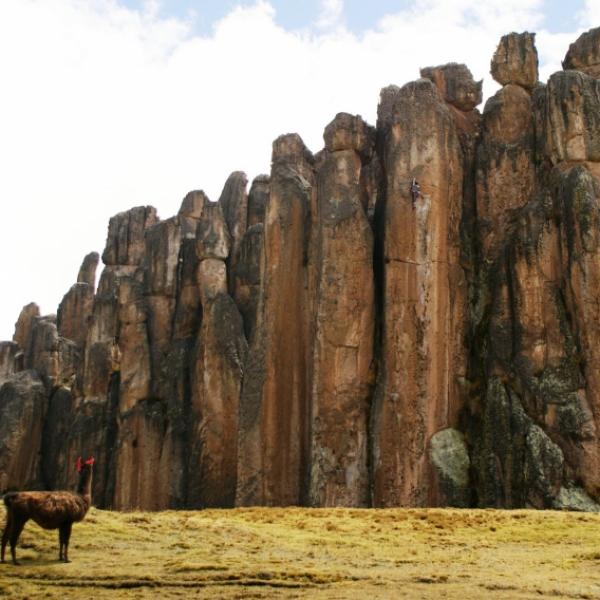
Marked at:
<point>79,464</point>
<point>90,461</point>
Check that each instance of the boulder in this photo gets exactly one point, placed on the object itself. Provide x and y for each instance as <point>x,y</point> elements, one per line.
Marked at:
<point>516,60</point>
<point>584,54</point>
<point>456,85</point>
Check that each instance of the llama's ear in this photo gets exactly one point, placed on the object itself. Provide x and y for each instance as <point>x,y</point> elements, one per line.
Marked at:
<point>90,461</point>
<point>79,464</point>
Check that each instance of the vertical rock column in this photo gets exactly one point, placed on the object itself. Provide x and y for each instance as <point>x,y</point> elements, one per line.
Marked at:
<point>423,353</point>
<point>274,418</point>
<point>344,319</point>
<point>246,272</point>
<point>217,376</point>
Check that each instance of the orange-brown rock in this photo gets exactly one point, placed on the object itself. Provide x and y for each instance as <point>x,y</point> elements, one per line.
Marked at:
<point>572,117</point>
<point>234,205</point>
<point>584,54</point>
<point>11,360</point>
<point>23,324</point>
<point>125,241</point>
<point>424,293</point>
<point>342,335</point>
<point>274,413</point>
<point>516,60</point>
<point>342,362</point>
<point>75,310</point>
<point>23,404</point>
<point>87,271</point>
<point>220,354</point>
<point>257,200</point>
<point>456,85</point>
<point>505,168</point>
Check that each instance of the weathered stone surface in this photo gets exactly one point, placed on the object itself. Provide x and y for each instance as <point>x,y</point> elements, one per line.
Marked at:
<point>212,235</point>
<point>247,277</point>
<point>516,60</point>
<point>11,360</point>
<point>572,117</point>
<point>74,313</point>
<point>23,404</point>
<point>456,85</point>
<point>574,498</point>
<point>584,53</point>
<point>193,204</point>
<point>87,271</point>
<point>431,348</point>
<point>257,200</point>
<point>349,132</point>
<point>23,324</point>
<point>505,168</point>
<point>424,294</point>
<point>216,385</point>
<point>450,458</point>
<point>125,240</point>
<point>55,358</point>
<point>515,462</point>
<point>342,375</point>
<point>234,205</point>
<point>274,412</point>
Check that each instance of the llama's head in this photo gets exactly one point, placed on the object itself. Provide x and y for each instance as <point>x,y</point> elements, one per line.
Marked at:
<point>84,468</point>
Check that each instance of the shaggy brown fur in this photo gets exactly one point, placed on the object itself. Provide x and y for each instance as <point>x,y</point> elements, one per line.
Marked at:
<point>50,510</point>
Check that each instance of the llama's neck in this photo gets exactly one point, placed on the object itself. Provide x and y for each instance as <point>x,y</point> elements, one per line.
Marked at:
<point>84,489</point>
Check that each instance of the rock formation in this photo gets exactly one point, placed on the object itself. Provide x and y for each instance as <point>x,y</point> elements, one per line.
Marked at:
<point>409,317</point>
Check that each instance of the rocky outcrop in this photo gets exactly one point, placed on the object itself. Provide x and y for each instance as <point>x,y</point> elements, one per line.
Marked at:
<point>23,405</point>
<point>516,61</point>
<point>456,85</point>
<point>584,54</point>
<point>408,317</point>
<point>274,412</point>
<point>423,293</point>
<point>75,310</point>
<point>23,324</point>
<point>344,319</point>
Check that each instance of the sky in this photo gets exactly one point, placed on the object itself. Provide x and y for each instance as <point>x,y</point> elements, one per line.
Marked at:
<point>110,104</point>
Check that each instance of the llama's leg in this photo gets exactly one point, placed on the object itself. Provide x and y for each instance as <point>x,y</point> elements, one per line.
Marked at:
<point>5,535</point>
<point>65,534</point>
<point>15,531</point>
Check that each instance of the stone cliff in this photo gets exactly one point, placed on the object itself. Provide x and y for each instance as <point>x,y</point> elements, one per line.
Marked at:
<point>336,336</point>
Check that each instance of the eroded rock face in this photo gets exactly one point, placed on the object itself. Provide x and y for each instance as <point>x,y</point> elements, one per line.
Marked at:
<point>584,53</point>
<point>23,324</point>
<point>424,293</point>
<point>125,241</point>
<point>274,412</point>
<point>456,85</point>
<point>11,360</point>
<point>342,369</point>
<point>74,313</point>
<point>23,405</point>
<point>572,117</point>
<point>87,271</point>
<point>516,60</point>
<point>342,336</point>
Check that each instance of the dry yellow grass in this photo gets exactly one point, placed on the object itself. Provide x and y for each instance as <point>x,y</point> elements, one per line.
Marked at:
<point>314,553</point>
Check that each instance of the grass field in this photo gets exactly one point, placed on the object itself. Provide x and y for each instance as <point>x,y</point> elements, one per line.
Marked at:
<point>313,553</point>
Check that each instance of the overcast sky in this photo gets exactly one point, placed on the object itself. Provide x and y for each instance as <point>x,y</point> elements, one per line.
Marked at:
<point>109,104</point>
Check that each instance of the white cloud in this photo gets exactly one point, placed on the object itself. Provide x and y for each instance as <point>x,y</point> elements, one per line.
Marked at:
<point>330,14</point>
<point>105,108</point>
<point>590,15</point>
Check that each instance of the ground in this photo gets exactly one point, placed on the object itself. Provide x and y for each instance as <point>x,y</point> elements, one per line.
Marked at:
<point>314,553</point>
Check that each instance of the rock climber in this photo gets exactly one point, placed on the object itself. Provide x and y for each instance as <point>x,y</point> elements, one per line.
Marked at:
<point>415,191</point>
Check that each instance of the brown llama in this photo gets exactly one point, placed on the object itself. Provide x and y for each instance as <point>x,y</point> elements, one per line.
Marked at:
<point>50,510</point>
